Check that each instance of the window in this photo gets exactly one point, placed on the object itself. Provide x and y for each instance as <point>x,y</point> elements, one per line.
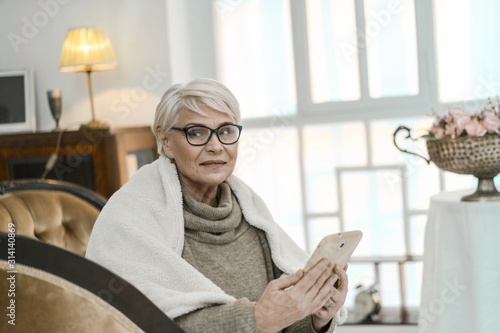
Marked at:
<point>391,44</point>
<point>337,42</point>
<point>468,49</point>
<point>323,84</point>
<point>333,57</point>
<point>254,40</point>
<point>277,183</point>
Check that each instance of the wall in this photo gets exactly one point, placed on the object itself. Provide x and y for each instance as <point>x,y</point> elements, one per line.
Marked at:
<point>32,33</point>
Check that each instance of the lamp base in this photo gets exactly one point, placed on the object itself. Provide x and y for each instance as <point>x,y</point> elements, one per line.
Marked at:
<point>95,125</point>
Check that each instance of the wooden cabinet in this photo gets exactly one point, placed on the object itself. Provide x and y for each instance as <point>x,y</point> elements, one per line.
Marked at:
<point>101,160</point>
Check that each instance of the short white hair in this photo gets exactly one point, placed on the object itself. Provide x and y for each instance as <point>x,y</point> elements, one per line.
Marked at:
<point>178,97</point>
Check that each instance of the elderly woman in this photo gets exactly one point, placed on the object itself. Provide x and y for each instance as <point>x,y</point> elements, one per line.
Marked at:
<point>199,242</point>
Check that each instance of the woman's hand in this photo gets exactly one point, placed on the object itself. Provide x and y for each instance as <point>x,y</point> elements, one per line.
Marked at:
<point>333,304</point>
<point>294,297</point>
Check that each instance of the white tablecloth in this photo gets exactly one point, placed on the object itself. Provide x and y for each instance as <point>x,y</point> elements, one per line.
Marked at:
<point>461,266</point>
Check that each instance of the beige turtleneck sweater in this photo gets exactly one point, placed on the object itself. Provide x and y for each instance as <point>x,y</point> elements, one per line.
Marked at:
<point>236,257</point>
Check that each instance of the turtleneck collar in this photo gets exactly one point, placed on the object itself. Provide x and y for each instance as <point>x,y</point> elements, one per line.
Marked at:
<point>213,224</point>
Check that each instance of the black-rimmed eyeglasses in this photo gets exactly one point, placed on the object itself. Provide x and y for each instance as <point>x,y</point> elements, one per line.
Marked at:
<point>199,135</point>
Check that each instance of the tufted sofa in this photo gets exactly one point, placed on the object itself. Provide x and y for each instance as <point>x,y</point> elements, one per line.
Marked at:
<point>49,286</point>
<point>49,289</point>
<point>55,212</point>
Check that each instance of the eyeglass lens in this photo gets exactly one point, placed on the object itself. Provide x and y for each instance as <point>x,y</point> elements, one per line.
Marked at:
<point>227,134</point>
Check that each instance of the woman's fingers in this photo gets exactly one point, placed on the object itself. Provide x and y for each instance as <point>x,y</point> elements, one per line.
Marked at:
<point>340,291</point>
<point>281,304</point>
<point>342,282</point>
<point>288,281</point>
<point>318,274</point>
<point>335,300</point>
<point>293,297</point>
<point>318,284</point>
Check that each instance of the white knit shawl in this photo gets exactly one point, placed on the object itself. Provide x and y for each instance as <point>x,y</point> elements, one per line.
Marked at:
<point>139,235</point>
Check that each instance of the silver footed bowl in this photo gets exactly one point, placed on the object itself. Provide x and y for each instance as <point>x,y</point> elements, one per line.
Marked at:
<point>477,156</point>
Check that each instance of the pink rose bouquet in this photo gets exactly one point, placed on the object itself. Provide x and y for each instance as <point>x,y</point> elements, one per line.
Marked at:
<point>458,122</point>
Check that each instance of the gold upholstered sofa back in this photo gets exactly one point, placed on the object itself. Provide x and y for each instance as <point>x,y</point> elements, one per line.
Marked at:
<point>59,213</point>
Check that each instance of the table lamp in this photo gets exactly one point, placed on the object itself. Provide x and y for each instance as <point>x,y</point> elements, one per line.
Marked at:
<point>87,50</point>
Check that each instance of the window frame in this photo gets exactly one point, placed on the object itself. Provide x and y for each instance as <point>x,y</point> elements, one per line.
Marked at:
<point>366,106</point>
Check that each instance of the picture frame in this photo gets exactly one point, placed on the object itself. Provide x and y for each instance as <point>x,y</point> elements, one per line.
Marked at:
<point>17,102</point>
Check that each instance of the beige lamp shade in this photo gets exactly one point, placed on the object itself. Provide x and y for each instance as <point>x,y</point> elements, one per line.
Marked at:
<point>86,50</point>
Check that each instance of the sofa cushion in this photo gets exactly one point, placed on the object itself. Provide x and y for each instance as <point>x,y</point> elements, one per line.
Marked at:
<point>59,218</point>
